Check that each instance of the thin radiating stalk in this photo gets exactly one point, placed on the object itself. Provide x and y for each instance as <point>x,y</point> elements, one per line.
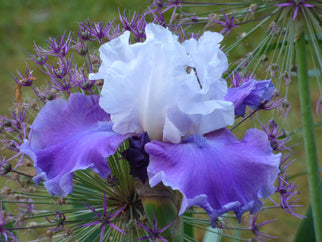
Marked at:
<point>309,136</point>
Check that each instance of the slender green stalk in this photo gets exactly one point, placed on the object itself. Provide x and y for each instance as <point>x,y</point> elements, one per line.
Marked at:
<point>188,228</point>
<point>161,203</point>
<point>309,136</point>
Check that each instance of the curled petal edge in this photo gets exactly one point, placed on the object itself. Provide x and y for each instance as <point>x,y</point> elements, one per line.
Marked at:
<point>68,136</point>
<point>180,167</point>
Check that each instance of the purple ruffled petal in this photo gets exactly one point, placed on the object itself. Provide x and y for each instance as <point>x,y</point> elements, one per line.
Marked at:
<point>252,93</point>
<point>217,172</point>
<point>68,136</point>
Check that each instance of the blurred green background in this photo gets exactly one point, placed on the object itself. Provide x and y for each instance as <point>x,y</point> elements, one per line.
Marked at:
<point>25,21</point>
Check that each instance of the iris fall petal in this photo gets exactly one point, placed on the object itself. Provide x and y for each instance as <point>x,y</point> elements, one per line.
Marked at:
<point>217,172</point>
<point>68,136</point>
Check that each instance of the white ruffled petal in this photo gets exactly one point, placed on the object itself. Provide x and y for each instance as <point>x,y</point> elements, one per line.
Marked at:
<point>159,34</point>
<point>210,62</point>
<point>147,86</point>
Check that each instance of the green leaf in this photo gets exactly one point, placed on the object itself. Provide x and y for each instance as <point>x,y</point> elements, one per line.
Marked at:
<point>305,231</point>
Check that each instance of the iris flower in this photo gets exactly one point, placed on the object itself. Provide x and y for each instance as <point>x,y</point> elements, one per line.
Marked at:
<point>176,94</point>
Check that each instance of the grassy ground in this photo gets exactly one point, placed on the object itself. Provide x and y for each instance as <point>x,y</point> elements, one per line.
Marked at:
<point>25,21</point>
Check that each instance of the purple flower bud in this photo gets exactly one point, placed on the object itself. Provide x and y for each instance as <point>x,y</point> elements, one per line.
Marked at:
<point>81,48</point>
<point>39,58</point>
<point>137,157</point>
<point>26,79</point>
<point>135,24</point>
<point>80,79</point>
<point>59,48</point>
<point>287,190</point>
<point>7,123</point>
<point>255,228</point>
<point>5,167</point>
<point>97,30</point>
<point>60,69</point>
<point>59,221</point>
<point>83,32</point>
<point>277,138</point>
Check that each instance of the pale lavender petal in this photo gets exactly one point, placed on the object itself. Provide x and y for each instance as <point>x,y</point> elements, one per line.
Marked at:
<point>252,93</point>
<point>217,172</point>
<point>68,136</point>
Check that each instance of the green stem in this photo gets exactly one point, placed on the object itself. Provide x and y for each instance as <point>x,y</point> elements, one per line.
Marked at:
<point>309,136</point>
<point>161,202</point>
<point>188,227</point>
